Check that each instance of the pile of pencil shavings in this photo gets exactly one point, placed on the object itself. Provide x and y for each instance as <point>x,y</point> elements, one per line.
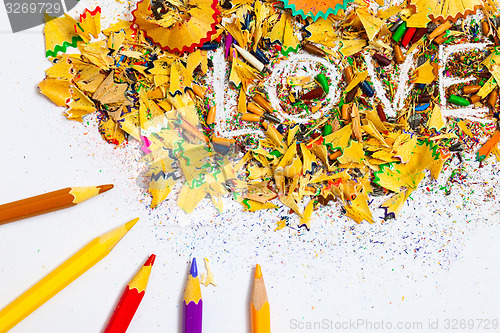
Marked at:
<point>380,134</point>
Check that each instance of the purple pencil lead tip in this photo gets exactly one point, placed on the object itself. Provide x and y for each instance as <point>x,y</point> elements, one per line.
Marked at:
<point>228,42</point>
<point>194,268</point>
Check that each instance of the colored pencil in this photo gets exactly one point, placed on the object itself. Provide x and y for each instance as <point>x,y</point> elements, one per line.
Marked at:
<point>259,305</point>
<point>61,277</point>
<point>130,300</point>
<point>193,304</point>
<point>488,146</point>
<point>48,202</point>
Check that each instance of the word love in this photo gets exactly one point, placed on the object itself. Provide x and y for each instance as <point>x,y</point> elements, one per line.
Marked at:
<point>226,100</point>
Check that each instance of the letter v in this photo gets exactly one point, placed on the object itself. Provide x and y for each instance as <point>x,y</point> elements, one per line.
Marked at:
<point>402,90</point>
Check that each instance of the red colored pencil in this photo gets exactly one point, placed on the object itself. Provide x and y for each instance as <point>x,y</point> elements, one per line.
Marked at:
<point>130,300</point>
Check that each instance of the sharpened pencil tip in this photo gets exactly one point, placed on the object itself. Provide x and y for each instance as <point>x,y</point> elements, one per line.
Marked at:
<point>150,261</point>
<point>194,268</point>
<point>258,272</point>
<point>105,188</point>
<point>130,224</point>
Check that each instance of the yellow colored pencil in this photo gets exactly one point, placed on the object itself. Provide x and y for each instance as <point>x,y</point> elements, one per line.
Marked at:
<point>61,277</point>
<point>259,305</point>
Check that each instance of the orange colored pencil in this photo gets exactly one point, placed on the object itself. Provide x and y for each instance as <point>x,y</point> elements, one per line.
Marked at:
<point>130,300</point>
<point>486,149</point>
<point>48,202</point>
<point>260,319</point>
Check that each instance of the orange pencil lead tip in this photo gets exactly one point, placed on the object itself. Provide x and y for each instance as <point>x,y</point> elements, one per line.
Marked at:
<point>130,224</point>
<point>104,188</point>
<point>150,261</point>
<point>258,272</point>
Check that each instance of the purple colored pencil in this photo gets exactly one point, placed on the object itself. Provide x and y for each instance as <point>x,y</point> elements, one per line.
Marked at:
<point>228,41</point>
<point>193,304</point>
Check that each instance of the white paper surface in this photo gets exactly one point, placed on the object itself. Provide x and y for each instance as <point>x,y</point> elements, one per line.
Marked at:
<point>438,261</point>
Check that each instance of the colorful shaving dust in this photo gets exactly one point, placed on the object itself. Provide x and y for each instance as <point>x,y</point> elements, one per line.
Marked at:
<point>348,144</point>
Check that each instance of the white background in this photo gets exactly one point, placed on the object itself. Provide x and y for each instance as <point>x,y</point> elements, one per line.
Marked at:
<point>437,261</point>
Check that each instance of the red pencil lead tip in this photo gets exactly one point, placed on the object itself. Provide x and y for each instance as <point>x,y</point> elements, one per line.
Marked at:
<point>150,261</point>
